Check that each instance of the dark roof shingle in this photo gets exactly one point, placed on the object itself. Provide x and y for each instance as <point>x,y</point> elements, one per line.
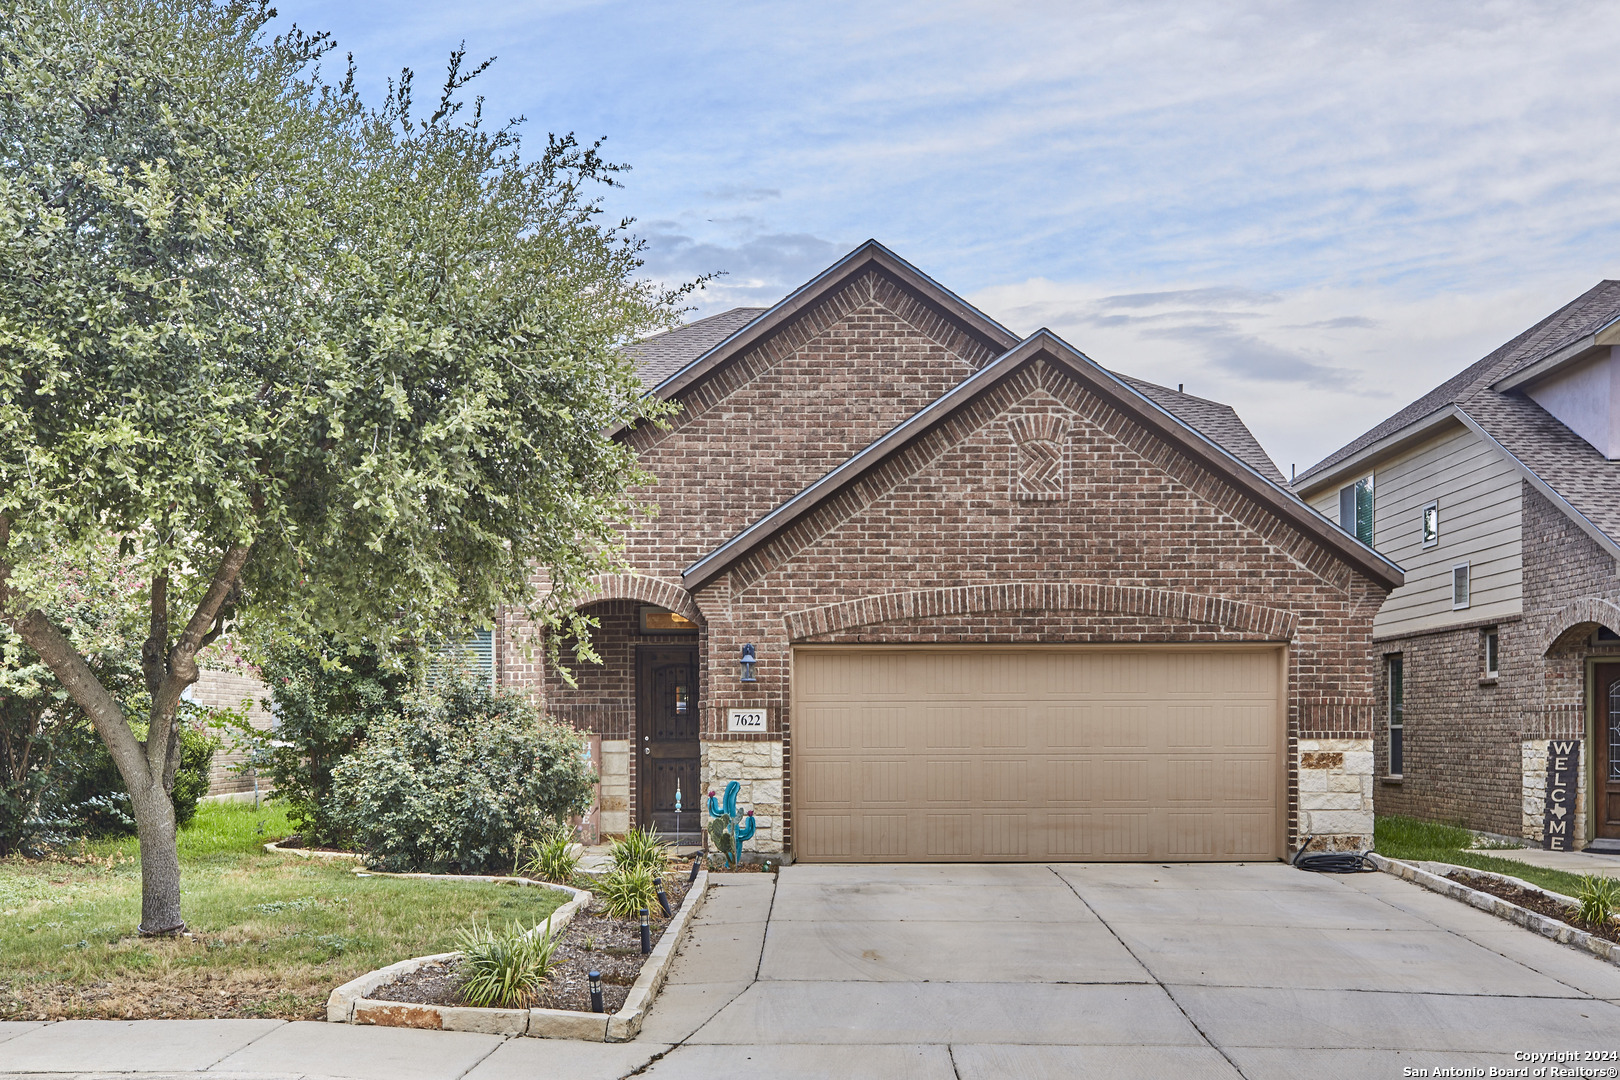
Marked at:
<point>662,355</point>
<point>1218,423</point>
<point>1576,319</point>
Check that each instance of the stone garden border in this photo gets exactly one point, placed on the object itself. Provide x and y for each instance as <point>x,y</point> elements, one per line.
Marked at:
<point>275,848</point>
<point>349,1004</point>
<point>1426,875</point>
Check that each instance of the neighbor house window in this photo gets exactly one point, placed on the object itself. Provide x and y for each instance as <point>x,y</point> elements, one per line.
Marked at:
<point>1356,509</point>
<point>1431,524</point>
<point>1459,585</point>
<point>1492,653</point>
<point>1397,717</point>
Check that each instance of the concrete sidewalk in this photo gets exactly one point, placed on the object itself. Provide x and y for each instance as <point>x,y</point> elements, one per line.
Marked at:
<point>977,972</point>
<point>1571,862</point>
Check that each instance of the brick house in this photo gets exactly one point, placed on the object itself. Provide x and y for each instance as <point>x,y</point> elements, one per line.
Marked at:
<point>930,592</point>
<point>1499,493</point>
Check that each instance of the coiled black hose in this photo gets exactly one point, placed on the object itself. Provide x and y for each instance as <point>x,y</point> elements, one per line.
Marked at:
<point>1333,862</point>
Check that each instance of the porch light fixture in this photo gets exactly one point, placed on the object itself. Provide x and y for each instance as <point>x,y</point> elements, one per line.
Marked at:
<point>747,664</point>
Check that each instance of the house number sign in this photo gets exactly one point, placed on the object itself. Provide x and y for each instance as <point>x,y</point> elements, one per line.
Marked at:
<point>1563,763</point>
<point>745,719</point>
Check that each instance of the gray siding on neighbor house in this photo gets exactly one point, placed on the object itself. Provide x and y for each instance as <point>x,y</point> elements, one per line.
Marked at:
<point>1480,524</point>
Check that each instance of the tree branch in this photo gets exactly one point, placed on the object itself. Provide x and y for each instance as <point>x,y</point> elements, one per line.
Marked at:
<point>155,647</point>
<point>84,688</point>
<point>182,660</point>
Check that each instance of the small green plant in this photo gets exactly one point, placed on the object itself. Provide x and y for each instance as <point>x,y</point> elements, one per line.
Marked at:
<point>628,889</point>
<point>1599,898</point>
<point>503,969</point>
<point>554,857</point>
<point>641,846</point>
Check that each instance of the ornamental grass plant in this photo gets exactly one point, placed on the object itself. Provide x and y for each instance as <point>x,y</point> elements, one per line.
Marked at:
<point>504,969</point>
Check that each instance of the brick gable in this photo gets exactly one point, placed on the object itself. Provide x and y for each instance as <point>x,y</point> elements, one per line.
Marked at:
<point>788,410</point>
<point>1146,545</point>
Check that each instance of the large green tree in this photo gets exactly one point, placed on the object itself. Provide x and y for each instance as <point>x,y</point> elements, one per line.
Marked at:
<point>297,364</point>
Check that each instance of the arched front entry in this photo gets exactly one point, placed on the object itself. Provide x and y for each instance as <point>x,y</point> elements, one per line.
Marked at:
<point>641,699</point>
<point>1581,647</point>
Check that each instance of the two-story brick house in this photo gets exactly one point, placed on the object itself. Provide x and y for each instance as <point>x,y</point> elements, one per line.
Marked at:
<point>932,592</point>
<point>1499,494</point>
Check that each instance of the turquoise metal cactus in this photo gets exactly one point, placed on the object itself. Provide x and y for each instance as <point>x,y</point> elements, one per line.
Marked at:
<point>727,831</point>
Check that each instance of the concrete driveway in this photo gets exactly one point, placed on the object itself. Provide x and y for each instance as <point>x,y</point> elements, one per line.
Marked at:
<point>968,972</point>
<point>1115,970</point>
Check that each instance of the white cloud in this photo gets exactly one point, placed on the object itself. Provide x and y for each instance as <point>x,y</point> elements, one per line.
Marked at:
<point>1354,200</point>
<point>1305,370</point>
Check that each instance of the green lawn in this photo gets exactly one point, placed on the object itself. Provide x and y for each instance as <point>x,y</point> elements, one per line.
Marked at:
<point>273,933</point>
<point>1407,838</point>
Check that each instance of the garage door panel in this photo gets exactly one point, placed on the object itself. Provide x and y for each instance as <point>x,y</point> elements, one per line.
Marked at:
<point>826,782</point>
<point>983,753</point>
<point>883,728</point>
<point>827,834</point>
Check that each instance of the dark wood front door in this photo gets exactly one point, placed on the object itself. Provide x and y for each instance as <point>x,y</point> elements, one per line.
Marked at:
<point>667,730</point>
<point>1606,749</point>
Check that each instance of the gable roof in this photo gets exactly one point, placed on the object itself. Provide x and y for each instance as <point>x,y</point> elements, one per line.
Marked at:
<point>662,355</point>
<point>1215,420</point>
<point>669,362</point>
<point>1577,319</point>
<point>868,255</point>
<point>1044,344</point>
<point>1487,398</point>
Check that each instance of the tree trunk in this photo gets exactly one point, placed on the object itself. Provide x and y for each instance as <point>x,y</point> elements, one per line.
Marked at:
<point>160,859</point>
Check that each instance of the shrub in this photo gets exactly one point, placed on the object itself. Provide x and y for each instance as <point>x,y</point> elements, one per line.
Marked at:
<point>325,701</point>
<point>627,889</point>
<point>460,780</point>
<point>554,857</point>
<point>641,846</point>
<point>1599,898</point>
<point>503,969</point>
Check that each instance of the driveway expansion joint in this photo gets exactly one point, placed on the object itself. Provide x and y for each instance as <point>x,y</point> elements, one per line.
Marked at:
<point>1202,1034</point>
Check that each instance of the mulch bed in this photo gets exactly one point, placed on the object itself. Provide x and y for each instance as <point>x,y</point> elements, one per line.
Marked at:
<point>592,942</point>
<point>1536,902</point>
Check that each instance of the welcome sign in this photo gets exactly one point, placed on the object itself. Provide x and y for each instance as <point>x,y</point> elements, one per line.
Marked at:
<point>1563,765</point>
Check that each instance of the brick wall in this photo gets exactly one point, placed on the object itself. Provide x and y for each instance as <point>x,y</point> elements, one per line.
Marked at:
<point>226,688</point>
<point>789,410</point>
<point>1135,518</point>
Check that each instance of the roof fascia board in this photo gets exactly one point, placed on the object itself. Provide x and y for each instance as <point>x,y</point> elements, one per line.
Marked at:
<point>1581,521</point>
<point>808,293</point>
<point>1277,498</point>
<point>1357,463</point>
<point>1571,353</point>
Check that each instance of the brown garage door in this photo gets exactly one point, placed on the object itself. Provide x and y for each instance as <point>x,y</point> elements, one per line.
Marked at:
<point>979,753</point>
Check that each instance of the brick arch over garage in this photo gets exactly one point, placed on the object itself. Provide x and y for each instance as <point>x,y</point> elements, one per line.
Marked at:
<point>646,590</point>
<point>1574,622</point>
<point>1271,623</point>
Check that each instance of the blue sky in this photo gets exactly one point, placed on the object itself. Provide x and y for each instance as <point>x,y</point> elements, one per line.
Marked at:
<point>1313,212</point>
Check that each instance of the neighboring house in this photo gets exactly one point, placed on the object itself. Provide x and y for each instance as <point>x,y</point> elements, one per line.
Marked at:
<point>930,592</point>
<point>1499,493</point>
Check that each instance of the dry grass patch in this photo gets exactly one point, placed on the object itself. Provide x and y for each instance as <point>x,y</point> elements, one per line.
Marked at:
<point>272,934</point>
